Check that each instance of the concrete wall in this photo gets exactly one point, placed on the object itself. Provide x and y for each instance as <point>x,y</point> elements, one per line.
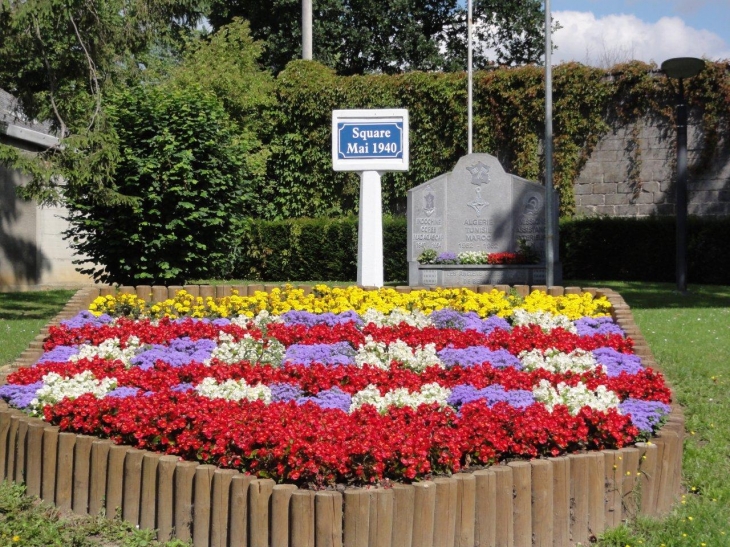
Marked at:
<point>632,173</point>
<point>32,250</point>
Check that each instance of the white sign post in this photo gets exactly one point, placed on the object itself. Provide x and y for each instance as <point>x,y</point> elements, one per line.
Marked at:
<point>370,142</point>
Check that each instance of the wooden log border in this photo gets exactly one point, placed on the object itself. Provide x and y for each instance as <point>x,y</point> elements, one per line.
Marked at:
<point>546,502</point>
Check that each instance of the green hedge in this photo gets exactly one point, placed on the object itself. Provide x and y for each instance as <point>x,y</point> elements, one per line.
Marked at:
<point>314,249</point>
<point>618,249</point>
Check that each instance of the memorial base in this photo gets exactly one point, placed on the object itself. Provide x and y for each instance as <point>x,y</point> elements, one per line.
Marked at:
<point>463,275</point>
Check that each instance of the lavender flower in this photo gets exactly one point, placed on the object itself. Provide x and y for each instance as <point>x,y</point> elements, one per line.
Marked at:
<point>617,362</point>
<point>180,352</point>
<point>309,319</point>
<point>476,355</point>
<point>446,258</point>
<point>491,395</point>
<point>284,392</point>
<point>182,388</point>
<point>339,353</point>
<point>588,326</point>
<point>122,392</point>
<point>330,398</point>
<point>59,354</point>
<point>645,415</point>
<point>84,318</point>
<point>448,318</point>
<point>20,396</point>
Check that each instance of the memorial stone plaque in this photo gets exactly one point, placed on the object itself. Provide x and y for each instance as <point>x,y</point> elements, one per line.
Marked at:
<point>475,207</point>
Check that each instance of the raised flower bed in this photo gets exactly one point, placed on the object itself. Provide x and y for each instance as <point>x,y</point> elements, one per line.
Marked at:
<point>331,389</point>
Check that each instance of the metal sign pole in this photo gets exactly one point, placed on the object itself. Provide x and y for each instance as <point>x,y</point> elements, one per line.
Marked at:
<point>550,223</point>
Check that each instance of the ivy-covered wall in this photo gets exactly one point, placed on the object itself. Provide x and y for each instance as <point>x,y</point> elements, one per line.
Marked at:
<point>589,103</point>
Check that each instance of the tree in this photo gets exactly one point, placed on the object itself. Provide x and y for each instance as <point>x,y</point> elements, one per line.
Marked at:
<point>182,165</point>
<point>60,58</point>
<point>390,36</point>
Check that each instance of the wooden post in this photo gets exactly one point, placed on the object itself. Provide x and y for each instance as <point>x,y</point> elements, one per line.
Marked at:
<point>132,485</point>
<point>148,493</point>
<point>115,479</point>
<point>144,292</point>
<point>424,514</point>
<point>81,471</point>
<point>201,504</point>
<point>445,523</point>
<point>486,514</point>
<point>35,458</point>
<point>238,530</point>
<point>259,494</point>
<point>381,517</point>
<point>328,519</point>
<point>403,500</point>
<point>579,494</point>
<point>97,475</point>
<point>280,501</point>
<point>522,503</point>
<point>165,508</point>
<point>613,475</point>
<point>220,500</point>
<point>648,470</point>
<point>50,455</point>
<point>20,441</point>
<point>357,517</point>
<point>184,481</point>
<point>504,508</point>
<point>596,494</point>
<point>4,429</point>
<point>159,294</point>
<point>542,503</point>
<point>12,451</point>
<point>302,519</point>
<point>561,500</point>
<point>64,470</point>
<point>629,491</point>
<point>465,509</point>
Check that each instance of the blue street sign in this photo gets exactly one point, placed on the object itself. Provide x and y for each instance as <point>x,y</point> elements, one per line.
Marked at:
<point>369,140</point>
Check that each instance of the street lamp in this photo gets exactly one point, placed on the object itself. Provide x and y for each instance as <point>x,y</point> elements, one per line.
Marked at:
<point>681,68</point>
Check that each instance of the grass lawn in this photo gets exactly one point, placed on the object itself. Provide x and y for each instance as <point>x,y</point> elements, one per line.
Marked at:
<point>689,335</point>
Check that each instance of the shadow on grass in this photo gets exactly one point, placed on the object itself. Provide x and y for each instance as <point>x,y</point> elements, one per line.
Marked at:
<point>642,294</point>
<point>32,305</point>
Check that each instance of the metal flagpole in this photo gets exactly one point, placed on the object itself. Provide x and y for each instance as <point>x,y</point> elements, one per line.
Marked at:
<point>469,71</point>
<point>307,30</point>
<point>550,223</point>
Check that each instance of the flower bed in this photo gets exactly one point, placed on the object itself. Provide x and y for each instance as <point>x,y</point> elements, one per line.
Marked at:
<point>345,385</point>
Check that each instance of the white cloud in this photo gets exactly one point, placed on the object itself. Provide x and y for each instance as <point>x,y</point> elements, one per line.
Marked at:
<point>618,38</point>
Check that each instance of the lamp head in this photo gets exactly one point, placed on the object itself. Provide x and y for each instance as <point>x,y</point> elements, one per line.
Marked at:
<point>683,67</point>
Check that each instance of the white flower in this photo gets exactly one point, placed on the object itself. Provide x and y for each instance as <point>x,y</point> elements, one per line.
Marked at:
<point>574,398</point>
<point>400,397</point>
<point>233,390</point>
<point>372,353</point>
<point>415,318</point>
<point>248,349</point>
<point>558,362</point>
<point>111,349</point>
<point>543,319</point>
<point>57,387</point>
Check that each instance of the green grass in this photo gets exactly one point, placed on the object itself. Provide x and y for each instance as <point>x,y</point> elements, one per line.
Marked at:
<point>689,335</point>
<point>23,315</point>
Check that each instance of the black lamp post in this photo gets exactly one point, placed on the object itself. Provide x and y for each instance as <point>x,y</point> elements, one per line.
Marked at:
<point>681,68</point>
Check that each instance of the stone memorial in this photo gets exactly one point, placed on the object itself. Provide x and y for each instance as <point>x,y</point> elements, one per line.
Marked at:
<point>477,208</point>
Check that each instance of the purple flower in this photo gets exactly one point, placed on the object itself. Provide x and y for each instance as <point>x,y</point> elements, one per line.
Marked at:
<point>588,326</point>
<point>476,355</point>
<point>284,392</point>
<point>339,353</point>
<point>448,318</point>
<point>309,319</point>
<point>20,396</point>
<point>617,362</point>
<point>84,318</point>
<point>122,392</point>
<point>330,398</point>
<point>182,388</point>
<point>645,415</point>
<point>464,393</point>
<point>180,352</point>
<point>446,258</point>
<point>59,354</point>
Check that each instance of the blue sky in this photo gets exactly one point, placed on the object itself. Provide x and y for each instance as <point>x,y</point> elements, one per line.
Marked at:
<point>600,31</point>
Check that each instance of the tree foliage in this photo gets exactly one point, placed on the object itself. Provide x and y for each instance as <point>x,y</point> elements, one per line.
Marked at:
<point>182,163</point>
<point>391,36</point>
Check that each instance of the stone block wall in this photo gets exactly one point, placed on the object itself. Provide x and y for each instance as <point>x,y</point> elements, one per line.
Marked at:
<point>632,173</point>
